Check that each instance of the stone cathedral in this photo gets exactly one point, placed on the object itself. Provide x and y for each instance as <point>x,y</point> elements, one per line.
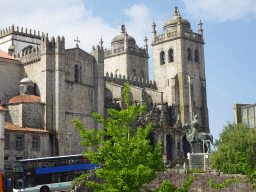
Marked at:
<point>44,86</point>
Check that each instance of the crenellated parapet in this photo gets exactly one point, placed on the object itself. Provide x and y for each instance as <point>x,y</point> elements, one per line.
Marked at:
<point>29,56</point>
<point>135,50</point>
<point>136,81</point>
<point>98,53</point>
<point>52,46</point>
<point>46,47</point>
<point>17,31</point>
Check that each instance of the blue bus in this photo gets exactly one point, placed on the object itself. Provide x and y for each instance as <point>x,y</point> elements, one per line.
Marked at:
<point>50,173</point>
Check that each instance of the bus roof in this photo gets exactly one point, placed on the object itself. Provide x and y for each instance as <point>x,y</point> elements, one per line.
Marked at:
<point>55,157</point>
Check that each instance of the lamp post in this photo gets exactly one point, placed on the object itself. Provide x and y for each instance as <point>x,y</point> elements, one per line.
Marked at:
<point>204,152</point>
<point>70,133</point>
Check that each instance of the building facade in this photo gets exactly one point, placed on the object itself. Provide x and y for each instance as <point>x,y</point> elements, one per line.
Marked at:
<point>245,113</point>
<point>46,86</point>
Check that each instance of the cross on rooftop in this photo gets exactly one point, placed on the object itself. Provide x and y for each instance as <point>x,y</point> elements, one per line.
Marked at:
<point>77,42</point>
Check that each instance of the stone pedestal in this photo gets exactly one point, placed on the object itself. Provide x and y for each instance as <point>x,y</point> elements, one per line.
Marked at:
<point>196,161</point>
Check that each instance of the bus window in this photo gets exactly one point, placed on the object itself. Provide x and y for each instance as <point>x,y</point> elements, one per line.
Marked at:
<point>56,178</point>
<point>40,164</point>
<point>29,165</point>
<point>63,162</point>
<point>51,163</point>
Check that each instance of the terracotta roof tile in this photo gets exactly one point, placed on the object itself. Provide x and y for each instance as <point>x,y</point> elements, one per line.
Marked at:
<point>6,56</point>
<point>2,108</point>
<point>12,127</point>
<point>24,98</point>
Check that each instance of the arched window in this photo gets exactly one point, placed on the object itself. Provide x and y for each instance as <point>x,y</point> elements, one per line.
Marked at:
<point>142,74</point>
<point>76,73</point>
<point>196,55</point>
<point>189,54</point>
<point>162,58</point>
<point>170,54</point>
<point>133,72</point>
<point>28,48</point>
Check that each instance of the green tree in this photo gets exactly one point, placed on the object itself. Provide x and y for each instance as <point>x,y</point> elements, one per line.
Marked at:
<point>130,163</point>
<point>235,154</point>
<point>234,138</point>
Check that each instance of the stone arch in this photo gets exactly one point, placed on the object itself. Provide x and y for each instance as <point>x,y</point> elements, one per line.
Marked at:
<point>77,71</point>
<point>28,48</point>
<point>169,146</point>
<point>162,58</point>
<point>117,72</point>
<point>170,55</point>
<point>186,146</point>
<point>151,137</point>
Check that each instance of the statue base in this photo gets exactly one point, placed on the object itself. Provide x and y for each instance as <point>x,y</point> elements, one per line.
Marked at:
<point>197,161</point>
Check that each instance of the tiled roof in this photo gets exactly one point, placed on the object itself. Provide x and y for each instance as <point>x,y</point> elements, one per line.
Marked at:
<point>2,108</point>
<point>12,127</point>
<point>6,56</point>
<point>24,98</point>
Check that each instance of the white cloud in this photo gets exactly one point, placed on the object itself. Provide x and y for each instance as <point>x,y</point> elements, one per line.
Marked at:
<point>71,20</point>
<point>221,9</point>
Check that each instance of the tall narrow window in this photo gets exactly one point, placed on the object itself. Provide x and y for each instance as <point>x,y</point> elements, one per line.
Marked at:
<point>251,117</point>
<point>162,58</point>
<point>76,73</point>
<point>19,141</point>
<point>35,142</point>
<point>170,54</point>
<point>196,55</point>
<point>244,116</point>
<point>189,54</point>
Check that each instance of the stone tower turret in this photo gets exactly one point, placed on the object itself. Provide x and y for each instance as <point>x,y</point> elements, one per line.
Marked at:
<point>98,64</point>
<point>125,58</point>
<point>179,70</point>
<point>53,85</point>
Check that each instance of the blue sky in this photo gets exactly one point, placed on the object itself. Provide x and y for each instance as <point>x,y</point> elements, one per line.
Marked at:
<point>229,33</point>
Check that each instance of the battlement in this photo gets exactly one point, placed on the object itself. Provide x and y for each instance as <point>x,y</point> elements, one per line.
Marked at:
<point>29,56</point>
<point>11,30</point>
<point>52,46</point>
<point>132,49</point>
<point>136,81</point>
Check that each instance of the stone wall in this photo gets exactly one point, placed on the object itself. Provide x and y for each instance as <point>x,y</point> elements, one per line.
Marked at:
<point>10,76</point>
<point>178,177</point>
<point>92,177</point>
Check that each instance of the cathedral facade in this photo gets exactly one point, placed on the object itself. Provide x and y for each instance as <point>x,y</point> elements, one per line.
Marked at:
<point>45,86</point>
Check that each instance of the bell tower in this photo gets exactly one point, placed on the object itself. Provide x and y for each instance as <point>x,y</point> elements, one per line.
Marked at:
<point>179,70</point>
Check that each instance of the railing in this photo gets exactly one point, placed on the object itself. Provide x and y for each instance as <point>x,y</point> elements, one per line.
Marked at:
<point>192,35</point>
<point>173,34</point>
<point>139,50</point>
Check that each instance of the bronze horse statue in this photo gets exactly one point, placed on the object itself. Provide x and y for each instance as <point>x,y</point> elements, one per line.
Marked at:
<point>193,134</point>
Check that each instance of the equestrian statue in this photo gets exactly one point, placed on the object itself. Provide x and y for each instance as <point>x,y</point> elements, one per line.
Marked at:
<point>194,136</point>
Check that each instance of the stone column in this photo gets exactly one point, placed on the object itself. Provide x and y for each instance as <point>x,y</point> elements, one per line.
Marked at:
<point>181,147</point>
<point>159,137</point>
<point>2,137</point>
<point>175,145</point>
<point>165,146</point>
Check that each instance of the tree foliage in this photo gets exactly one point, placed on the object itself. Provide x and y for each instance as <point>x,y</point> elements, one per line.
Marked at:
<point>233,139</point>
<point>130,163</point>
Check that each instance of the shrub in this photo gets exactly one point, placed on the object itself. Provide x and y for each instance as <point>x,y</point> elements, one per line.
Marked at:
<point>78,180</point>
